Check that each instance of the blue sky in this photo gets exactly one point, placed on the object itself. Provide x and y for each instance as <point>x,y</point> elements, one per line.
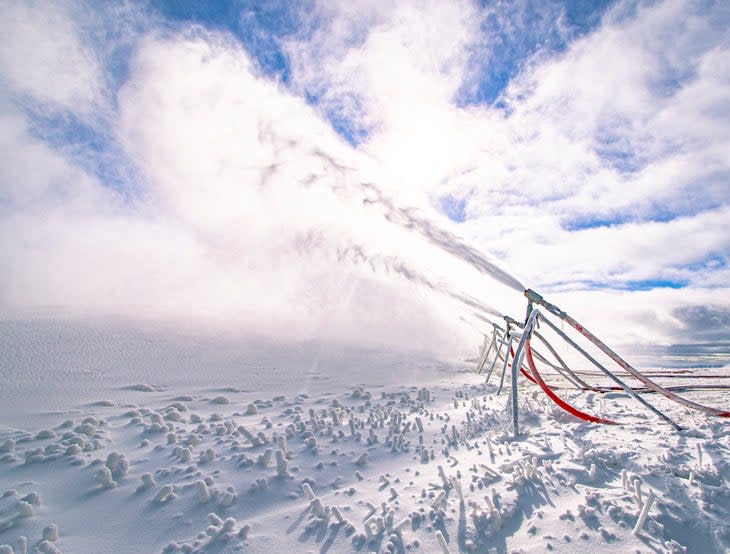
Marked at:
<point>582,144</point>
<point>259,26</point>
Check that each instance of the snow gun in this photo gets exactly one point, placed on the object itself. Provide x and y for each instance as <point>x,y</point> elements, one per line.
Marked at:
<point>524,331</point>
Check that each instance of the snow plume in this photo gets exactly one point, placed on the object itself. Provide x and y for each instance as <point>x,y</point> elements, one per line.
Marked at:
<point>243,209</point>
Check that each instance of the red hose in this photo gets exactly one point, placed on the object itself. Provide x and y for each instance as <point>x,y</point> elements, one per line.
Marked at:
<point>554,397</point>
<point>527,375</point>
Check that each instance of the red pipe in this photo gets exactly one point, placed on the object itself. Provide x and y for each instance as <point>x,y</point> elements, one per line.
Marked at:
<point>554,397</point>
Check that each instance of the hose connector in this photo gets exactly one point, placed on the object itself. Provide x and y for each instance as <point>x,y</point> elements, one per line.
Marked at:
<point>532,296</point>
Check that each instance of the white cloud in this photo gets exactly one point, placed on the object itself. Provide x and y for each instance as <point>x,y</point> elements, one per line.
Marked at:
<point>611,85</point>
<point>648,86</point>
<point>249,207</point>
<point>400,77</point>
<point>43,55</point>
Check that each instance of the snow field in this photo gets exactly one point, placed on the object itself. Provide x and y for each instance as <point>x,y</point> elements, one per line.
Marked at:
<point>368,469</point>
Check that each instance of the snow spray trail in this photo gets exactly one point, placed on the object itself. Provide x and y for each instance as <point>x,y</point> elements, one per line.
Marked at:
<point>443,239</point>
<point>454,246</point>
<point>357,254</point>
<point>406,219</point>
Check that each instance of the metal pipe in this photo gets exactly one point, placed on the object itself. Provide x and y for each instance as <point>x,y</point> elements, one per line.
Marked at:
<point>559,370</point>
<point>516,364</point>
<point>484,357</point>
<point>555,398</point>
<point>610,375</point>
<point>532,296</point>
<point>506,362</point>
<point>554,352</point>
<point>483,351</point>
<point>502,342</point>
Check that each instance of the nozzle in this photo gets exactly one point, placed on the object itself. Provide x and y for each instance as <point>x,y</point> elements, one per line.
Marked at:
<point>533,296</point>
<point>513,321</point>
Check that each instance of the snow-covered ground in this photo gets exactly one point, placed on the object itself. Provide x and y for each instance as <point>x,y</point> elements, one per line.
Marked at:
<point>116,438</point>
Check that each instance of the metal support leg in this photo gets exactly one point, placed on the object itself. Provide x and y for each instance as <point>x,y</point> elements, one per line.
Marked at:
<point>516,364</point>
<point>504,367</point>
<point>485,355</point>
<point>502,342</point>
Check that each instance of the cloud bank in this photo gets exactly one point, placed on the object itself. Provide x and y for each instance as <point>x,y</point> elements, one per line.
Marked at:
<point>376,173</point>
